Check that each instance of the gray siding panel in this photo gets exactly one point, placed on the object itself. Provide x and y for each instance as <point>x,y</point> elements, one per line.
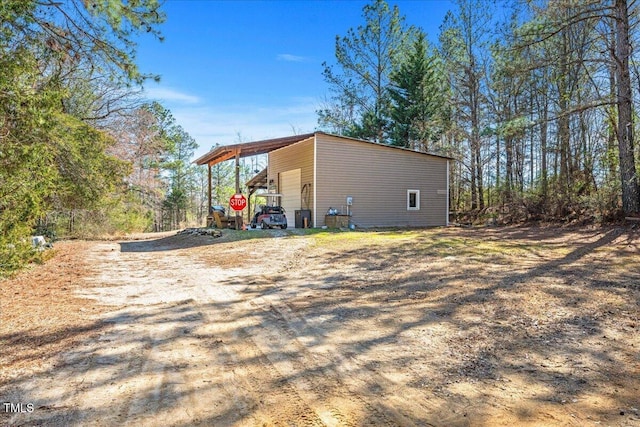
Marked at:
<point>378,177</point>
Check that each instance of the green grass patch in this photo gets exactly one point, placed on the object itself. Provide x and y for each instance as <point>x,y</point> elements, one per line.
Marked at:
<point>478,247</point>
<point>239,235</point>
<point>439,243</point>
<point>436,242</point>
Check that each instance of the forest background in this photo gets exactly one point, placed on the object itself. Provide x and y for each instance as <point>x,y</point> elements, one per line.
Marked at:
<point>537,110</point>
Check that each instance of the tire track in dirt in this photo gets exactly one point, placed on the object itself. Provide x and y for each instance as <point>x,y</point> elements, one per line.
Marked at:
<point>315,377</point>
<point>277,400</point>
<point>383,399</point>
<point>170,356</point>
<point>341,391</point>
<point>352,384</point>
<point>260,391</point>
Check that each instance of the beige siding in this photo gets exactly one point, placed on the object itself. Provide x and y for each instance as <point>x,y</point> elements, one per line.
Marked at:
<point>296,156</point>
<point>378,177</point>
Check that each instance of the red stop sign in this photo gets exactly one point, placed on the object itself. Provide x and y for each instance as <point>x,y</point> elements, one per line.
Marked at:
<point>238,202</point>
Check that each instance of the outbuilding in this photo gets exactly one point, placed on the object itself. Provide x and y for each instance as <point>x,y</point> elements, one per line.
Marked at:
<point>328,180</point>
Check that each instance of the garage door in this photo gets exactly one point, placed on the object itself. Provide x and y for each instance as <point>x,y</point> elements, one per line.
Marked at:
<point>290,189</point>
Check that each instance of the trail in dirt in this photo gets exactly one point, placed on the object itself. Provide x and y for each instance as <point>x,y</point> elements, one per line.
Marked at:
<point>192,344</point>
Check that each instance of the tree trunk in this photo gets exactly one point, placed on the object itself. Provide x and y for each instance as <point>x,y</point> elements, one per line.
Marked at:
<point>474,188</point>
<point>543,154</point>
<point>479,179</point>
<point>477,195</point>
<point>628,174</point>
<point>612,125</point>
<point>497,162</point>
<point>508,176</point>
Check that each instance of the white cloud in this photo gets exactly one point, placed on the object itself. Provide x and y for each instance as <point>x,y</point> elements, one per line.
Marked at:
<point>170,95</point>
<point>291,58</point>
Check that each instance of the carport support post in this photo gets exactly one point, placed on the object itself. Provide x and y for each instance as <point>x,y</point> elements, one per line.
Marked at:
<point>238,225</point>
<point>209,198</point>
<point>249,205</point>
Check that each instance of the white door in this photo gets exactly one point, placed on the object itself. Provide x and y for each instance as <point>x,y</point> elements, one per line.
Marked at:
<point>290,189</point>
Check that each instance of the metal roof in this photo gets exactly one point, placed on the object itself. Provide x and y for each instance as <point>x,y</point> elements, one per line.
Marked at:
<point>226,152</point>
<point>258,181</point>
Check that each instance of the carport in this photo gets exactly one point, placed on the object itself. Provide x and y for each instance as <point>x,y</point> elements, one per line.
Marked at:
<point>227,152</point>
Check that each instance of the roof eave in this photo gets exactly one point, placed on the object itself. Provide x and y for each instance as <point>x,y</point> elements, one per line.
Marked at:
<point>249,148</point>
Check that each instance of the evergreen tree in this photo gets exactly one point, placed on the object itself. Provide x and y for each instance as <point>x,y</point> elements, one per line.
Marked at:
<point>365,57</point>
<point>417,96</point>
<point>49,157</point>
<point>180,173</point>
<point>176,147</point>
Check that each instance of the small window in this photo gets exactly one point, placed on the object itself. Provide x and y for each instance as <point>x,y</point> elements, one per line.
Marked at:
<point>413,200</point>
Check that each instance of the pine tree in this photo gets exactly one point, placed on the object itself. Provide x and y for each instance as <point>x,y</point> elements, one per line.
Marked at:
<point>417,96</point>
<point>464,39</point>
<point>366,56</point>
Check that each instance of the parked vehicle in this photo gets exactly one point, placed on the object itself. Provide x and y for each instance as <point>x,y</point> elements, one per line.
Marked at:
<point>269,217</point>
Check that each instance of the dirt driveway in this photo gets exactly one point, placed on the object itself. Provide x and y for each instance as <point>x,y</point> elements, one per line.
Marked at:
<point>443,327</point>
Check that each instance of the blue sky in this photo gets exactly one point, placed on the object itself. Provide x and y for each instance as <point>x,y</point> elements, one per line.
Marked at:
<point>248,70</point>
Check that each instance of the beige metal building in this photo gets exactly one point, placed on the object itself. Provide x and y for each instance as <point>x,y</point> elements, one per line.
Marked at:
<point>371,184</point>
